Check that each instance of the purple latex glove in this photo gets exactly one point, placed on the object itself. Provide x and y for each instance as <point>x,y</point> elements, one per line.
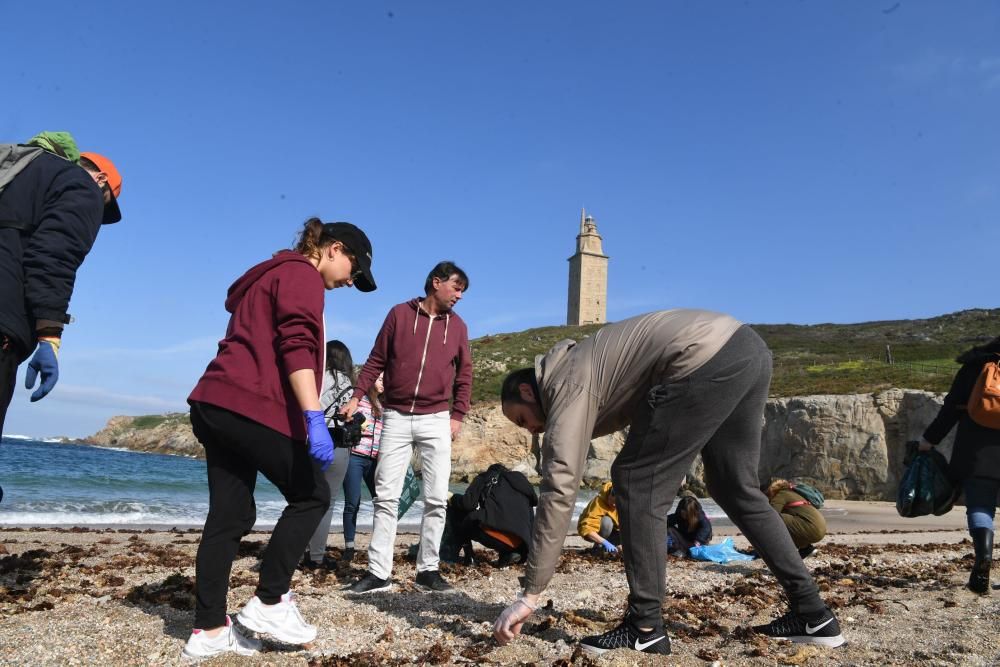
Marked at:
<point>320,442</point>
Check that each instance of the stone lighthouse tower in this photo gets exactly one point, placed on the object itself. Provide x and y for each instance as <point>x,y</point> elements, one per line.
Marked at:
<point>588,277</point>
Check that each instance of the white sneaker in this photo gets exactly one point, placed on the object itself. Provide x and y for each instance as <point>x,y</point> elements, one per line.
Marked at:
<point>200,646</point>
<point>282,621</point>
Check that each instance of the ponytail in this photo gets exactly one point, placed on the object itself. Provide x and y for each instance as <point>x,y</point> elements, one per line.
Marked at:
<point>310,241</point>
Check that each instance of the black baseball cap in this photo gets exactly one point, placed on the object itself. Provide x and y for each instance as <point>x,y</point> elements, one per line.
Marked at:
<point>357,244</point>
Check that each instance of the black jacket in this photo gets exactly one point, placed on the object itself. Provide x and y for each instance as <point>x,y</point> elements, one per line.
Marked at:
<point>977,448</point>
<point>62,208</point>
<point>500,499</point>
<point>702,534</point>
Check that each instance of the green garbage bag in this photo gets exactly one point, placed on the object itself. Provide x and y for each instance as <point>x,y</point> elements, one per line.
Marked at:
<point>412,486</point>
<point>925,487</point>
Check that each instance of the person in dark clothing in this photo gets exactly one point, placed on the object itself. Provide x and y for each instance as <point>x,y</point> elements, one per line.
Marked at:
<point>496,510</point>
<point>253,410</point>
<point>50,212</point>
<point>975,459</point>
<point>687,527</point>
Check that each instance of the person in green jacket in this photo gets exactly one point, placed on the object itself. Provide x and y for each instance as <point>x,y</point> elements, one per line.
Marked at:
<point>804,522</point>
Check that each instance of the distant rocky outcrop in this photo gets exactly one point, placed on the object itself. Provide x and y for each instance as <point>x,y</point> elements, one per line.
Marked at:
<point>158,434</point>
<point>850,446</point>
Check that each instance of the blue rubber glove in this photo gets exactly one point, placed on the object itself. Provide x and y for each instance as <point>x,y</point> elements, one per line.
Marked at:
<point>44,361</point>
<point>608,547</point>
<point>320,442</point>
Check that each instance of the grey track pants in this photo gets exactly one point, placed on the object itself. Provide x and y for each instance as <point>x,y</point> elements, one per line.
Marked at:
<point>717,411</point>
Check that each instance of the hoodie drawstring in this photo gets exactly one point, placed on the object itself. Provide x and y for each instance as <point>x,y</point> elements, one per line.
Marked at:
<point>423,357</point>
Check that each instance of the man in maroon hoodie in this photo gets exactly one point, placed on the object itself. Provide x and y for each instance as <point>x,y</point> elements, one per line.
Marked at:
<point>423,348</point>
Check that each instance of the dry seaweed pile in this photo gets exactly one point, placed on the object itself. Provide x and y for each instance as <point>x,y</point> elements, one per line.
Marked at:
<point>707,612</point>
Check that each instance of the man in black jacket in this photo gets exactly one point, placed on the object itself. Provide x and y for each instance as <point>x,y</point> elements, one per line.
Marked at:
<point>50,213</point>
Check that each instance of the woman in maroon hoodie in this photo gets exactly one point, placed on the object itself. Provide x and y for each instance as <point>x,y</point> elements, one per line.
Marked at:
<point>253,410</point>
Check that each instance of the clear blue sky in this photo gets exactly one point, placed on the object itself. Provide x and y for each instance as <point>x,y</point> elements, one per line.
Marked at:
<point>780,161</point>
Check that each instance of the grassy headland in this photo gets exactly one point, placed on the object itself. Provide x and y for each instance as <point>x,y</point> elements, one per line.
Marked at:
<point>808,359</point>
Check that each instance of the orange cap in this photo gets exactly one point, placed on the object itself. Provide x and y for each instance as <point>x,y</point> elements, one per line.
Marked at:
<point>112,212</point>
<point>108,167</point>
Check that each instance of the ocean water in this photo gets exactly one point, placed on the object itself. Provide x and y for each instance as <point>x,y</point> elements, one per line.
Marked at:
<point>53,483</point>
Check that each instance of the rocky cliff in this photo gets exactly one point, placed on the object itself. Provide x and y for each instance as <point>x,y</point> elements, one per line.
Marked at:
<point>850,446</point>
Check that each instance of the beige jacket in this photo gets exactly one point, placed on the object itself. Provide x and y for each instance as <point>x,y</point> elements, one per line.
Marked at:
<point>589,389</point>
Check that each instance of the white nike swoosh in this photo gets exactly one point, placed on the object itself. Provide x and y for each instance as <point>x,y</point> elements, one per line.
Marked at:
<point>642,646</point>
<point>811,630</point>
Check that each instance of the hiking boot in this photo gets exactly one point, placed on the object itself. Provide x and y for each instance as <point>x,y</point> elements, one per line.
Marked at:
<point>979,578</point>
<point>431,581</point>
<point>369,584</point>
<point>282,621</point>
<point>818,628</point>
<point>628,636</point>
<point>806,551</point>
<point>200,646</point>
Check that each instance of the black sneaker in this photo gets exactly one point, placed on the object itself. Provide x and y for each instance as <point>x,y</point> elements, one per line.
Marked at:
<point>369,584</point>
<point>308,563</point>
<point>347,555</point>
<point>508,558</point>
<point>807,551</point>
<point>628,636</point>
<point>819,628</point>
<point>431,581</point>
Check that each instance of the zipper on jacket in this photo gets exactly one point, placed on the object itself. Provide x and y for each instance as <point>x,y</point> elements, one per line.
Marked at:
<point>423,358</point>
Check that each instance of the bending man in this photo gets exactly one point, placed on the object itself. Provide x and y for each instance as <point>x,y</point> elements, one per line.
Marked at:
<point>687,382</point>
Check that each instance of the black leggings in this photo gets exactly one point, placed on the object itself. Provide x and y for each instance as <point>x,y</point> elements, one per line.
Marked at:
<point>236,448</point>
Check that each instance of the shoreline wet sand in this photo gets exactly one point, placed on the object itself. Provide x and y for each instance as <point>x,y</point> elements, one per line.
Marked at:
<point>123,595</point>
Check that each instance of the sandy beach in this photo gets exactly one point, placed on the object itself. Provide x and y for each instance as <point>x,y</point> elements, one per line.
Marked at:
<point>110,596</point>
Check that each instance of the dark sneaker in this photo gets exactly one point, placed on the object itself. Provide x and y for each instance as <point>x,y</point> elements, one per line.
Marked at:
<point>508,558</point>
<point>432,582</point>
<point>347,555</point>
<point>819,628</point>
<point>807,551</point>
<point>326,564</point>
<point>369,584</point>
<point>628,636</point>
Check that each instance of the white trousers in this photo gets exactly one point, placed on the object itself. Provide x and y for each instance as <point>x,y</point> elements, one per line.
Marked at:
<point>431,434</point>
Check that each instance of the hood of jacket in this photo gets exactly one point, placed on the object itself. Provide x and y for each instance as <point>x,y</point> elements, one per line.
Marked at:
<point>239,288</point>
<point>415,304</point>
<point>605,492</point>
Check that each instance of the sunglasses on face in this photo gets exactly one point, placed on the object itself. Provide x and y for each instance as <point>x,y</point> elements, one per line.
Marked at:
<point>356,271</point>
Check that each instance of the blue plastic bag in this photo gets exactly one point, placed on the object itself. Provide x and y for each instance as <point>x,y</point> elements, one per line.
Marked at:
<point>723,552</point>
